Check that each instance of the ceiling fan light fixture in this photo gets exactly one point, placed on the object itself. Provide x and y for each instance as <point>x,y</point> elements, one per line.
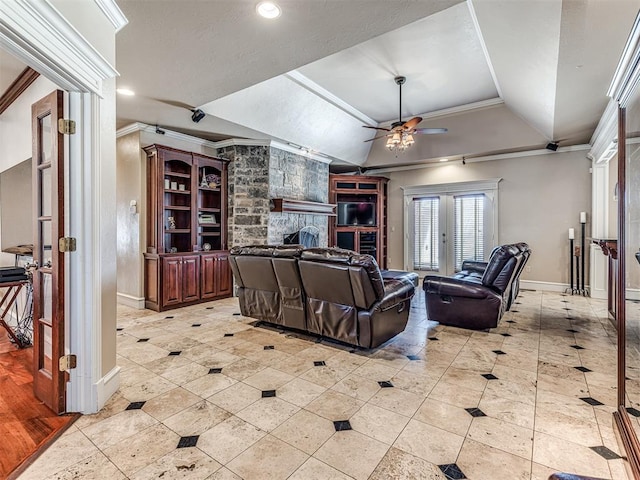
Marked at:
<point>268,10</point>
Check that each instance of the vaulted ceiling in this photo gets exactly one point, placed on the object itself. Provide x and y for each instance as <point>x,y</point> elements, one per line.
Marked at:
<point>501,75</point>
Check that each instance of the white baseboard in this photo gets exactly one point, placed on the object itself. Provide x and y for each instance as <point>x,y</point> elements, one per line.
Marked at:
<point>130,301</point>
<point>633,294</point>
<point>546,286</point>
<point>105,387</point>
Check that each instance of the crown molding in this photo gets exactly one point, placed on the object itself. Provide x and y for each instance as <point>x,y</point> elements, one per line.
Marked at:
<point>113,13</point>
<point>183,137</point>
<point>457,159</point>
<point>453,187</point>
<point>447,112</point>
<point>41,37</point>
<point>604,140</point>
<point>327,96</point>
<point>627,72</point>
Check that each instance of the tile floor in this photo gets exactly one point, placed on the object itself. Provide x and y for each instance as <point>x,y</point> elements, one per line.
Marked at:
<point>206,395</point>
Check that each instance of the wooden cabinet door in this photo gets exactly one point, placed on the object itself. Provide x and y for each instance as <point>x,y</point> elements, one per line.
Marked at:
<point>208,276</point>
<point>223,274</point>
<point>172,280</point>
<point>190,278</point>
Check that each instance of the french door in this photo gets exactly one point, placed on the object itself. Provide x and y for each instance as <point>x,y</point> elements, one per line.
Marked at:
<point>48,275</point>
<point>447,228</point>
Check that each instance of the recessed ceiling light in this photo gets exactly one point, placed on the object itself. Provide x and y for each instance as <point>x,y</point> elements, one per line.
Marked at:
<point>444,159</point>
<point>268,10</point>
<point>125,91</point>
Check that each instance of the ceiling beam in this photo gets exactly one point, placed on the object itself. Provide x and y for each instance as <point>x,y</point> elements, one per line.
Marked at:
<point>19,85</point>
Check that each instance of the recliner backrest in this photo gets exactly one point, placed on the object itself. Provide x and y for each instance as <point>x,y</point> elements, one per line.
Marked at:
<point>501,268</point>
<point>341,276</point>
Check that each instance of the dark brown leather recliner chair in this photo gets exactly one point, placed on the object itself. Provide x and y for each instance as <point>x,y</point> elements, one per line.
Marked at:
<point>331,292</point>
<point>469,302</point>
<point>474,270</point>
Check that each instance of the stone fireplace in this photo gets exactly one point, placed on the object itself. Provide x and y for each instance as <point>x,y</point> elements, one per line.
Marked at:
<point>258,173</point>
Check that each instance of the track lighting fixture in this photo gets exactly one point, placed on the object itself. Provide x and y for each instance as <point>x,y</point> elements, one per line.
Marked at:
<point>464,161</point>
<point>159,131</point>
<point>552,146</point>
<point>197,115</point>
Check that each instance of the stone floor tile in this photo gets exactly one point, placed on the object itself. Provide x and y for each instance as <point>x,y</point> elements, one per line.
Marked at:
<point>369,453</point>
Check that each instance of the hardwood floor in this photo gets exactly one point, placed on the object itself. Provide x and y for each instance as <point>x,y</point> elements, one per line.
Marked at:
<point>25,423</point>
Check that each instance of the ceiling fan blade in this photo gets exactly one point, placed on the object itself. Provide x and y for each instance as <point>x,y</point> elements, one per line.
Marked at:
<point>375,138</point>
<point>377,128</point>
<point>430,131</point>
<point>410,124</point>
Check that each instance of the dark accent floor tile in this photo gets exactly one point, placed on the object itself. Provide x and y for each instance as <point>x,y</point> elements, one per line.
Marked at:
<point>569,318</point>
<point>435,339</point>
<point>175,353</point>
<point>606,453</point>
<point>517,303</point>
<point>190,441</point>
<point>489,376</point>
<point>564,301</point>
<point>475,412</point>
<point>506,334</point>
<point>135,405</point>
<point>583,369</point>
<point>385,384</point>
<point>209,308</point>
<point>515,311</point>
<point>169,316</point>
<point>196,325</point>
<point>452,471</point>
<point>510,321</point>
<point>572,330</point>
<point>119,329</point>
<point>319,363</point>
<point>228,334</point>
<point>499,352</point>
<point>414,357</point>
<point>237,314</point>
<point>142,340</point>
<point>591,401</point>
<point>577,347</point>
<point>341,425</point>
<point>268,347</point>
<point>633,411</point>
<point>215,370</point>
<point>268,393</point>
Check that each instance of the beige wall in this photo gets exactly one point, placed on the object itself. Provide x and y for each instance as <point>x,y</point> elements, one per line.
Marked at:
<point>129,186</point>
<point>540,198</point>
<point>16,215</point>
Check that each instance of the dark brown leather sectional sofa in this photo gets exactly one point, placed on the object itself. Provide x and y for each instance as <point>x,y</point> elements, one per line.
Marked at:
<point>478,295</point>
<point>330,292</point>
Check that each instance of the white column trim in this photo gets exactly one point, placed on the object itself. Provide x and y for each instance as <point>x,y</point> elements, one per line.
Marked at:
<point>38,34</point>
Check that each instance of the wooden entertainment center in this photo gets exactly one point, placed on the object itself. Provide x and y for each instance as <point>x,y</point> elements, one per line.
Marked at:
<point>361,220</point>
<point>187,260</point>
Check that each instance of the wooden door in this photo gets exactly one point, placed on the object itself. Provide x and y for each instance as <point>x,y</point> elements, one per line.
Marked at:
<point>208,275</point>
<point>190,278</point>
<point>223,274</point>
<point>48,277</point>
<point>171,281</point>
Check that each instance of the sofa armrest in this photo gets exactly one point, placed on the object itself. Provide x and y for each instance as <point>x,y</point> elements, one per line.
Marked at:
<point>455,287</point>
<point>473,266</point>
<point>396,291</point>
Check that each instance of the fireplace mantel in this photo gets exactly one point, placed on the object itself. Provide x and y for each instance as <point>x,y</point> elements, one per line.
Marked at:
<point>289,205</point>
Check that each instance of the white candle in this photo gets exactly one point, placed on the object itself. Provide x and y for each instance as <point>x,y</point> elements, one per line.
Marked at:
<point>583,217</point>
<point>572,234</point>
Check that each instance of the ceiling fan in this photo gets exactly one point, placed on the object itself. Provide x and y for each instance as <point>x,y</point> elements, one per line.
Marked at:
<point>400,135</point>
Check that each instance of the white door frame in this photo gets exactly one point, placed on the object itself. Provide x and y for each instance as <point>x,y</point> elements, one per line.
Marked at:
<point>37,33</point>
<point>489,187</point>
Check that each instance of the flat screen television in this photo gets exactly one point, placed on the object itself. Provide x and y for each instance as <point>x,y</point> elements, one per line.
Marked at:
<point>356,214</point>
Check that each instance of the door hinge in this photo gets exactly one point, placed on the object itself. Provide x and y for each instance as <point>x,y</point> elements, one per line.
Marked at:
<point>66,127</point>
<point>67,244</point>
<point>67,362</point>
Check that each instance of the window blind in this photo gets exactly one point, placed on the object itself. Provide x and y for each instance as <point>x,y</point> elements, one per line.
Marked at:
<point>425,228</point>
<point>468,218</point>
